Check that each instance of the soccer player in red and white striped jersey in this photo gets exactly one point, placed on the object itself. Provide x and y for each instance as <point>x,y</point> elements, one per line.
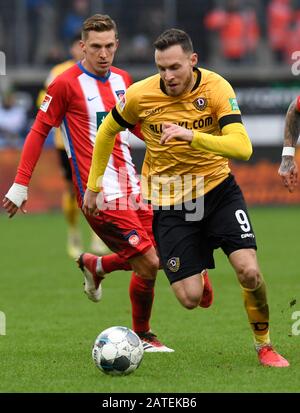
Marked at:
<point>78,100</point>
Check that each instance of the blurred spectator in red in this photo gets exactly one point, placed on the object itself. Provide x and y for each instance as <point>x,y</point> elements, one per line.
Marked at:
<point>238,30</point>
<point>293,44</point>
<point>279,19</point>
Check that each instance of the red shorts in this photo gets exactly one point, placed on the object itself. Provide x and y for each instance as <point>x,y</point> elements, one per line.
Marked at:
<point>126,231</point>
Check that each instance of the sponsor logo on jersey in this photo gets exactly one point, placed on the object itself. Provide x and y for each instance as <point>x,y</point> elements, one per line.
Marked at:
<point>133,238</point>
<point>173,264</point>
<point>200,103</point>
<point>100,118</point>
<point>92,98</point>
<point>46,102</point>
<point>153,111</point>
<point>203,122</point>
<point>233,103</point>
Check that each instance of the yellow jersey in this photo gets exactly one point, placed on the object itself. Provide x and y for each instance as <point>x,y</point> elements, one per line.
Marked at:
<point>208,107</point>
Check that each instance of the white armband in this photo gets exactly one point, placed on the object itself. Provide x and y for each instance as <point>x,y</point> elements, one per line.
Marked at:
<point>288,151</point>
<point>17,194</point>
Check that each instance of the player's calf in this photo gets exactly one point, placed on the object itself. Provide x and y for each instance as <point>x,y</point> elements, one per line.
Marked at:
<point>146,265</point>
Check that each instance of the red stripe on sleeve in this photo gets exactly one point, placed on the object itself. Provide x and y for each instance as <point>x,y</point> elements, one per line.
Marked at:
<point>31,152</point>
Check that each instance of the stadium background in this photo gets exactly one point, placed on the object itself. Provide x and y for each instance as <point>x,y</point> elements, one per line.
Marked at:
<point>34,35</point>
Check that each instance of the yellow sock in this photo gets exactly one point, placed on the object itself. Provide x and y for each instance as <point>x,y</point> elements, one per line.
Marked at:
<point>257,309</point>
<point>70,208</point>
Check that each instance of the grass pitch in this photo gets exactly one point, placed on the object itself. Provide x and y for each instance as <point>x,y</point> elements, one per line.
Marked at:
<point>51,325</point>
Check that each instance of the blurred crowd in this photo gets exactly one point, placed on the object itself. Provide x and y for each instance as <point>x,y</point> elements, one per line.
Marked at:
<point>244,33</point>
<point>238,31</point>
<point>243,28</point>
<point>13,120</point>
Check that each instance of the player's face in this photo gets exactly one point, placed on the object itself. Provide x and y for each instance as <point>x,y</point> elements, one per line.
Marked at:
<point>99,51</point>
<point>175,67</point>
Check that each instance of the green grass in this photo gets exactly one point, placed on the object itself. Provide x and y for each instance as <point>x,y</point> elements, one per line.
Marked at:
<point>50,324</point>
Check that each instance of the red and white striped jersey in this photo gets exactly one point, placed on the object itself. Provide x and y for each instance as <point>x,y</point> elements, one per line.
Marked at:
<point>78,101</point>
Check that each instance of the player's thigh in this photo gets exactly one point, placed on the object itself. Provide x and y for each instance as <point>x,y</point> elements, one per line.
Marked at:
<point>144,212</point>
<point>182,245</point>
<point>145,264</point>
<point>189,290</point>
<point>122,232</point>
<point>245,264</point>
<point>229,225</point>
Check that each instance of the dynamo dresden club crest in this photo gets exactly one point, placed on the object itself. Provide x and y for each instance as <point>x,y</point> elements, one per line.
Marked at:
<point>200,103</point>
<point>173,264</point>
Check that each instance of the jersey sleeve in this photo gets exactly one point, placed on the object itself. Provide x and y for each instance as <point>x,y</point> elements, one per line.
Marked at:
<point>225,103</point>
<point>54,106</point>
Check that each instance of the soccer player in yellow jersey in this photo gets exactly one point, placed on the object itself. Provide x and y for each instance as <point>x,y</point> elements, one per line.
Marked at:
<point>192,124</point>
<point>69,202</point>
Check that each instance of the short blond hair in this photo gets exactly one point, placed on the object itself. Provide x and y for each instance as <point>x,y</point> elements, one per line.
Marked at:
<point>98,23</point>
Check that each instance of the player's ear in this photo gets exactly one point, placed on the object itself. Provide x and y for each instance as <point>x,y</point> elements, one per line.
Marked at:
<point>194,59</point>
<point>82,45</point>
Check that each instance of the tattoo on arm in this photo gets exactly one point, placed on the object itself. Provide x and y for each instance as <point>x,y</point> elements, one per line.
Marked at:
<point>292,125</point>
<point>287,164</point>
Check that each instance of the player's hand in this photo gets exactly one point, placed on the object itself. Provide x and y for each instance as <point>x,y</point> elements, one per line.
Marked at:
<point>15,199</point>
<point>288,171</point>
<point>89,206</point>
<point>173,131</point>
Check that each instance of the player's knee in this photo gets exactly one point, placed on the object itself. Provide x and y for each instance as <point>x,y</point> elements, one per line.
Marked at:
<point>149,267</point>
<point>249,277</point>
<point>190,302</point>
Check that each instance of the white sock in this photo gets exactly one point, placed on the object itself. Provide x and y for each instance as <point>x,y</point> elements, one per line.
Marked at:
<point>99,268</point>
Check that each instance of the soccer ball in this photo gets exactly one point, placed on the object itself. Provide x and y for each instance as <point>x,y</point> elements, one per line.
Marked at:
<point>117,351</point>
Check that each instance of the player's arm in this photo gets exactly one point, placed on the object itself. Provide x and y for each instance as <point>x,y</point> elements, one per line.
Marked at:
<point>104,144</point>
<point>17,195</point>
<point>288,170</point>
<point>50,114</point>
<point>233,143</point>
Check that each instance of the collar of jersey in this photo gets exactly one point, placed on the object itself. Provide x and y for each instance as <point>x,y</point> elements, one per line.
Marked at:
<point>197,83</point>
<point>101,78</point>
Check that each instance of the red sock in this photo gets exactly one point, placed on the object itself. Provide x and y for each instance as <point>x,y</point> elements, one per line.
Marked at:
<point>141,293</point>
<point>113,262</point>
